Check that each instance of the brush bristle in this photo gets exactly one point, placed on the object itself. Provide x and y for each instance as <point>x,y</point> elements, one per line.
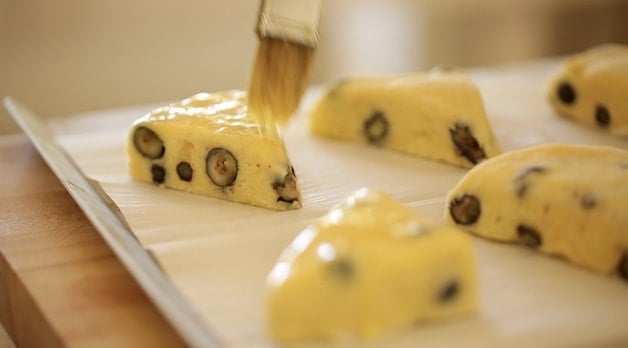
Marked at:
<point>280,77</point>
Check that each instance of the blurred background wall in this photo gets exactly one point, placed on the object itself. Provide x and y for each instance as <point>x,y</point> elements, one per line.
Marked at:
<point>66,56</point>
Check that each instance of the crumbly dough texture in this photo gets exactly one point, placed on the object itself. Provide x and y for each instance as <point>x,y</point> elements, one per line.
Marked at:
<point>413,114</point>
<point>564,200</point>
<point>590,88</point>
<point>251,166</point>
<point>369,266</point>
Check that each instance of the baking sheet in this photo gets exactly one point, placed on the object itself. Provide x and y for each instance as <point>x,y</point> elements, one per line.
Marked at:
<point>218,253</point>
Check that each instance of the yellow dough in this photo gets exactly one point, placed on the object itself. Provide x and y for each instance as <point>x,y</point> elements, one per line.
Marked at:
<point>369,266</point>
<point>438,116</point>
<point>565,200</point>
<point>209,145</point>
<point>591,88</point>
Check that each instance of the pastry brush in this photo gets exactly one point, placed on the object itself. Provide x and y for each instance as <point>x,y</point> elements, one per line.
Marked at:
<point>288,36</point>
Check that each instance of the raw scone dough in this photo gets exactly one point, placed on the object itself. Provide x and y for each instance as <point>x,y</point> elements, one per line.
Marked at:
<point>208,144</point>
<point>565,200</point>
<point>370,265</point>
<point>591,88</point>
<point>436,115</point>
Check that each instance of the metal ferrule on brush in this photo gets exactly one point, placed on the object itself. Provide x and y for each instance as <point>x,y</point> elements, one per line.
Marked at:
<point>291,20</point>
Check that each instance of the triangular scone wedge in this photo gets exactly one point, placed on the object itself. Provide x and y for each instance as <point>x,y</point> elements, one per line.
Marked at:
<point>209,145</point>
<point>369,266</point>
<point>591,88</point>
<point>565,200</point>
<point>437,115</point>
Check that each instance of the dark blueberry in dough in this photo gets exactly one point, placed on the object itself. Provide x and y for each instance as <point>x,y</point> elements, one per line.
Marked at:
<point>465,143</point>
<point>287,187</point>
<point>449,291</point>
<point>341,268</point>
<point>566,93</point>
<point>622,268</point>
<point>602,116</point>
<point>465,209</point>
<point>521,180</point>
<point>376,127</point>
<point>529,236</point>
<point>221,167</point>
<point>159,173</point>
<point>588,201</point>
<point>530,170</point>
<point>148,143</point>
<point>184,170</point>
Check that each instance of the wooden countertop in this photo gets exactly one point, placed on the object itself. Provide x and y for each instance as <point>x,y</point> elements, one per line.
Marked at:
<point>60,284</point>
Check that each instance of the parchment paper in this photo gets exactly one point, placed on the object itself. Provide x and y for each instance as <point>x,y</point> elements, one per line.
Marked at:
<point>218,253</point>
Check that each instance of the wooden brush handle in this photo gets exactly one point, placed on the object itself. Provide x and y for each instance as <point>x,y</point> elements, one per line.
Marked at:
<point>290,20</point>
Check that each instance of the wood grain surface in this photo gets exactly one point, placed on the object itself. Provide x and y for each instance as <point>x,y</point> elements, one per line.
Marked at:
<point>60,284</point>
